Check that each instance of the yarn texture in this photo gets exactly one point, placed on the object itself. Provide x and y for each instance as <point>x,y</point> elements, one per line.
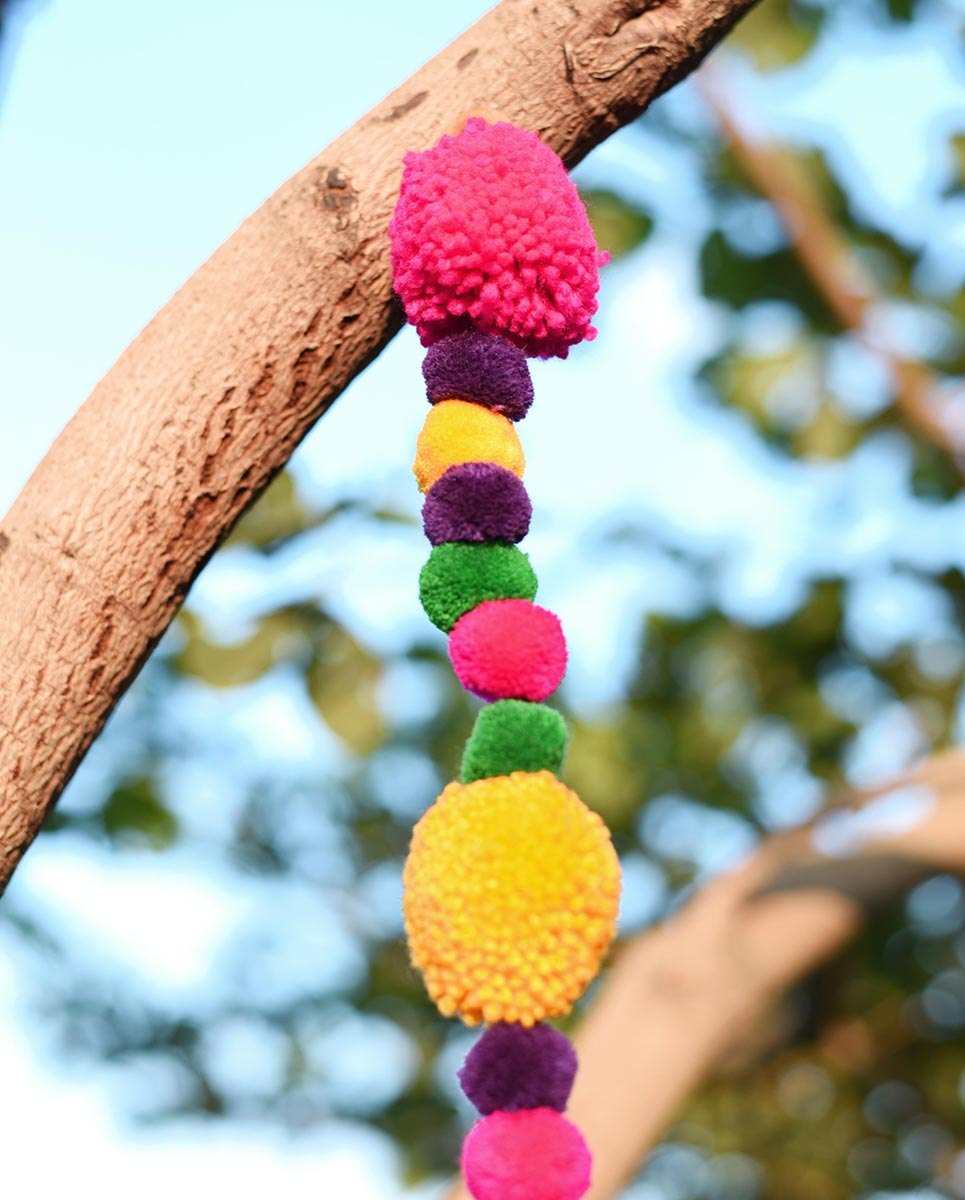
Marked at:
<point>508,650</point>
<point>489,233</point>
<point>512,1067</point>
<point>476,502</point>
<point>531,1155</point>
<point>510,895</point>
<point>458,576</point>
<point>456,431</point>
<point>482,369</point>
<point>514,735</point>
<point>511,885</point>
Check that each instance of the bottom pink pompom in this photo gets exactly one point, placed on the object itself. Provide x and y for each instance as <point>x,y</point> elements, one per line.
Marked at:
<point>533,1154</point>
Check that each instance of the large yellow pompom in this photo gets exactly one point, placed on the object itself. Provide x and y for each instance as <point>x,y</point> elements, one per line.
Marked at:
<point>456,431</point>
<point>511,894</point>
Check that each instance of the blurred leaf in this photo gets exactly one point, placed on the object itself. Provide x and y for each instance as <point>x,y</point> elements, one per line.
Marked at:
<point>619,225</point>
<point>393,516</point>
<point>598,769</point>
<point>785,395</point>
<point>781,390</point>
<point>829,434</point>
<point>133,812</point>
<point>956,185</point>
<point>777,33</point>
<point>935,476</point>
<point>277,514</point>
<point>739,280</point>
<point>342,681</point>
<point>231,664</point>
<point>901,10</point>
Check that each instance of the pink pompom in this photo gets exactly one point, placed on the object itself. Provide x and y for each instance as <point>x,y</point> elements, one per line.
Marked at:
<point>533,1154</point>
<point>489,233</point>
<point>508,650</point>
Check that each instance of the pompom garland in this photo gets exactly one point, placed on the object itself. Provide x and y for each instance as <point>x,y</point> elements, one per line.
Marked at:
<point>531,1155</point>
<point>508,650</point>
<point>481,368</point>
<point>458,576</point>
<point>500,921</point>
<point>512,1067</point>
<point>514,735</point>
<point>511,885</point>
<point>456,431</point>
<point>489,233</point>
<point>476,502</point>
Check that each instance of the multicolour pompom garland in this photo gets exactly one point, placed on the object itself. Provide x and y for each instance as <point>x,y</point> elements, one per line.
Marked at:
<point>511,884</point>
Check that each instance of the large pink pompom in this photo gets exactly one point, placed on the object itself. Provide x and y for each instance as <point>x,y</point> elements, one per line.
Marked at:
<point>533,1154</point>
<point>490,233</point>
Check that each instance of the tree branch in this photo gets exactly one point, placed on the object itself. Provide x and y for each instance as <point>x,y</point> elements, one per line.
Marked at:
<point>678,997</point>
<point>213,396</point>
<point>834,270</point>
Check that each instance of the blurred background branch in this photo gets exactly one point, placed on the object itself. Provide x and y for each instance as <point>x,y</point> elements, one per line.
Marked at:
<point>831,265</point>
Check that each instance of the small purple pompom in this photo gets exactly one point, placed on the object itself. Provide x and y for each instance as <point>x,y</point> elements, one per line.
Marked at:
<point>512,1067</point>
<point>476,502</point>
<point>481,368</point>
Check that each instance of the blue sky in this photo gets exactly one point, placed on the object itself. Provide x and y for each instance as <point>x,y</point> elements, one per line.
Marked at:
<point>133,140</point>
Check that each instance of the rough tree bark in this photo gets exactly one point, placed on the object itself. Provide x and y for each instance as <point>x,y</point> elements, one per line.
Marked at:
<point>213,396</point>
<point>679,996</point>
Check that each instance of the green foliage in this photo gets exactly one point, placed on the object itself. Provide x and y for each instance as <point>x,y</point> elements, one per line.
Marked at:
<point>279,514</point>
<point>901,10</point>
<point>343,679</point>
<point>956,185</point>
<point>134,813</point>
<point>231,664</point>
<point>777,33</point>
<point>739,280</point>
<point>619,224</point>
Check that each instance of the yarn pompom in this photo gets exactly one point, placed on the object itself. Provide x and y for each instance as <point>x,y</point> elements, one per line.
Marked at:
<point>512,1067</point>
<point>460,575</point>
<point>514,735</point>
<point>476,502</point>
<point>510,896</point>
<point>482,369</point>
<point>531,1155</point>
<point>489,233</point>
<point>456,431</point>
<point>508,650</point>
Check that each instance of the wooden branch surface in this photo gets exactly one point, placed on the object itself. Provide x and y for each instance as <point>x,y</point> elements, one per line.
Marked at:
<point>214,395</point>
<point>679,996</point>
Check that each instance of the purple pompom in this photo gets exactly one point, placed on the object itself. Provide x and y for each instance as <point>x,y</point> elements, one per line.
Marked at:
<point>512,1067</point>
<point>476,502</point>
<point>480,368</point>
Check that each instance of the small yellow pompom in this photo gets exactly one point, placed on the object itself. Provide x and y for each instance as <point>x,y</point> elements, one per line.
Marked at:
<point>511,893</point>
<point>456,431</point>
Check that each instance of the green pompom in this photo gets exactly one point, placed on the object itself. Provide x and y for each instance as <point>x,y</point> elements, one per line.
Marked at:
<point>514,735</point>
<point>460,575</point>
